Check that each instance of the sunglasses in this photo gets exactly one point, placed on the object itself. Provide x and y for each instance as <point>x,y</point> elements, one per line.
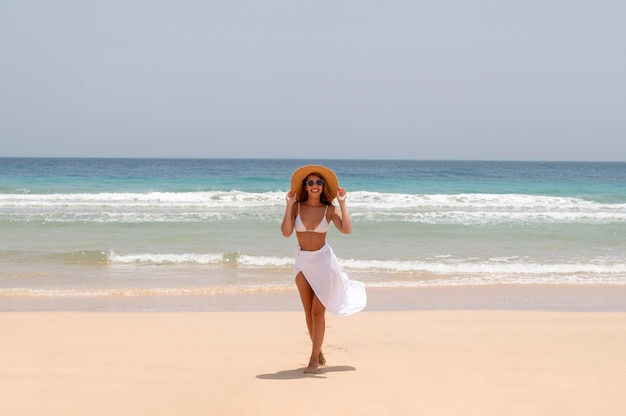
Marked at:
<point>318,182</point>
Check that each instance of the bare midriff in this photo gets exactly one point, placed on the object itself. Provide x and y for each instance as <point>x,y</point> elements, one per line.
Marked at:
<point>310,241</point>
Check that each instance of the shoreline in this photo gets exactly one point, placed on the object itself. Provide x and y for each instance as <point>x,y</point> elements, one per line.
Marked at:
<point>575,298</point>
<point>379,362</point>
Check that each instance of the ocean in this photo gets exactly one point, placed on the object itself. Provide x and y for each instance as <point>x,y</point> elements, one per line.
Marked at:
<point>83,228</point>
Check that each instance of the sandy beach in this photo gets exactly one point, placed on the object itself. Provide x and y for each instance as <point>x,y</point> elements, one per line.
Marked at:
<point>379,362</point>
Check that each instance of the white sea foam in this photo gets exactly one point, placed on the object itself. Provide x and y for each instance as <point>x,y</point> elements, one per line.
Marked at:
<point>137,200</point>
<point>441,270</point>
<point>149,258</point>
<point>200,259</point>
<point>365,206</point>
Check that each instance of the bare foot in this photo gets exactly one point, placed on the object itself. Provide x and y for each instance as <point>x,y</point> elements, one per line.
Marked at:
<point>312,370</point>
<point>322,359</point>
<point>313,367</point>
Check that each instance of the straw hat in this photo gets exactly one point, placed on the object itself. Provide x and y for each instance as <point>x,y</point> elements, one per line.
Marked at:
<point>330,179</point>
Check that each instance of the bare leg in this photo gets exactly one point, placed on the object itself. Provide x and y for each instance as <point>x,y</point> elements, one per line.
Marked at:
<point>315,320</point>
<point>319,328</point>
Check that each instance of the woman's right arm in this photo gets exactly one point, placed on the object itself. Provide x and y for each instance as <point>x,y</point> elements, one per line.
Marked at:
<point>289,219</point>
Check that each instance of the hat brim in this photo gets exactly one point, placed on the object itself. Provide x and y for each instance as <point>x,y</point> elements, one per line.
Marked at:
<point>300,174</point>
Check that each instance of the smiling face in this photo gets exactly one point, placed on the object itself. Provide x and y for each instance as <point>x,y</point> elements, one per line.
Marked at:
<point>314,185</point>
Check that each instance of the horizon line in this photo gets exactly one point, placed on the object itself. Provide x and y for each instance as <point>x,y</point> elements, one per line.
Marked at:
<point>311,159</point>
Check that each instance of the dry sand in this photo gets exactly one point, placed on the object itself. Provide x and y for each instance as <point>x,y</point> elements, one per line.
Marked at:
<point>251,363</point>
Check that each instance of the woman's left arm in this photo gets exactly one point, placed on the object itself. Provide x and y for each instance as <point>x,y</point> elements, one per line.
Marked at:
<point>342,220</point>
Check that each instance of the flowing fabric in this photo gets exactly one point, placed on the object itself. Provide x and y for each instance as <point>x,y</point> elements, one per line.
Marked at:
<point>334,289</point>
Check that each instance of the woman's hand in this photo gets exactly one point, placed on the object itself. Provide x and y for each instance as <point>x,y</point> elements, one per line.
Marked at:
<point>341,195</point>
<point>342,220</point>
<point>288,220</point>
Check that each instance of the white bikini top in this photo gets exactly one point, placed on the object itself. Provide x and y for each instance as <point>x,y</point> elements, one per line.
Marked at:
<point>321,228</point>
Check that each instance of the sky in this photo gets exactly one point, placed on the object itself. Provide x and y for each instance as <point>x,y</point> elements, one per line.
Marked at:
<point>342,79</point>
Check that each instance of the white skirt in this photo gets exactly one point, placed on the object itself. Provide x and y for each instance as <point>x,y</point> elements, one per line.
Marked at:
<point>331,285</point>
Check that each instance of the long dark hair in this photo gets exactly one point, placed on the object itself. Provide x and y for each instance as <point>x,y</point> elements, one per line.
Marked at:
<point>324,198</point>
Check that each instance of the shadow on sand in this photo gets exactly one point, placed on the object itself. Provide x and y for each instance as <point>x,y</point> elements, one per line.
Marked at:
<point>299,373</point>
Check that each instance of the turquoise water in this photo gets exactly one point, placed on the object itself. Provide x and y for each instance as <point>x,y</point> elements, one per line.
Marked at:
<point>86,227</point>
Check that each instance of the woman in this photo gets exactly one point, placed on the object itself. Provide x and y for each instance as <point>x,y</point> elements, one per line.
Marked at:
<point>321,282</point>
